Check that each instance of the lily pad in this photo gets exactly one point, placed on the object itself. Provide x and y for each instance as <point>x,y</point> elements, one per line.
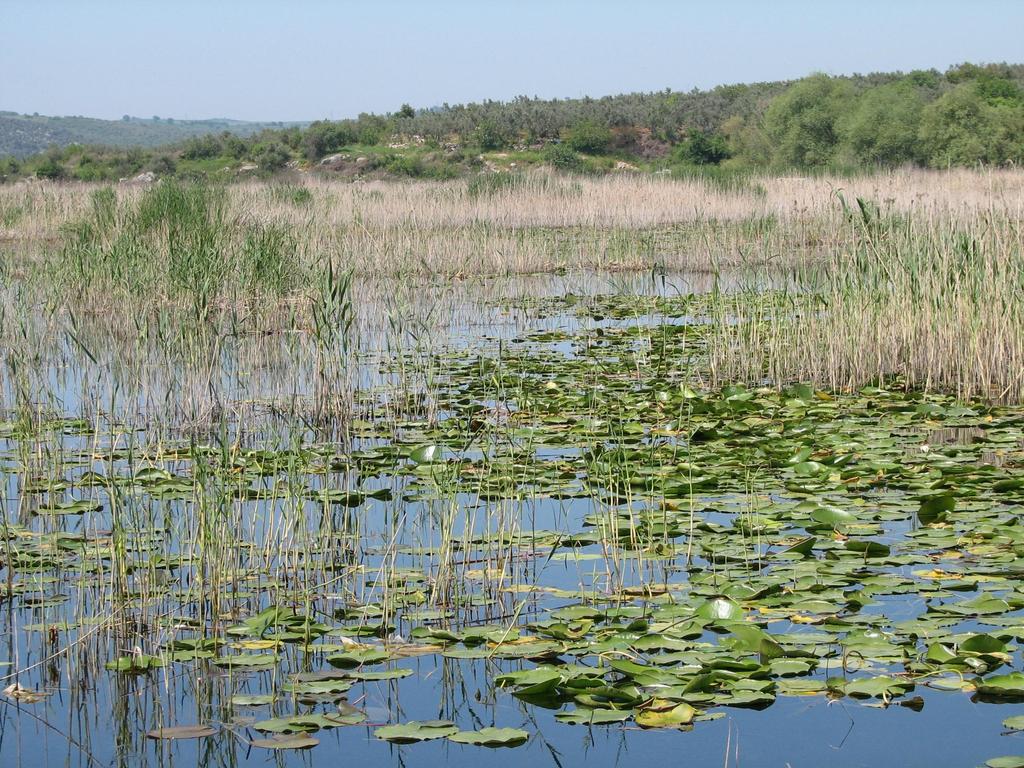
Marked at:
<point>416,730</point>
<point>491,737</point>
<point>182,732</point>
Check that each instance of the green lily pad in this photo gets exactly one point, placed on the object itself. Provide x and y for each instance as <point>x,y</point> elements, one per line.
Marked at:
<point>665,714</point>
<point>416,730</point>
<point>182,732</point>
<point>491,737</point>
<point>290,741</point>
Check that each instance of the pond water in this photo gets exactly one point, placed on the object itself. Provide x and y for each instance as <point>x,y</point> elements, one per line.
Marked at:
<point>531,515</point>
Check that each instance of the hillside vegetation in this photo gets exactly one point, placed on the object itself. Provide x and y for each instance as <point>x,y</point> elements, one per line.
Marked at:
<point>25,135</point>
<point>969,115</point>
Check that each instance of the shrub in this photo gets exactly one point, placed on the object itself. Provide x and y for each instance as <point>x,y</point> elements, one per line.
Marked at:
<point>271,157</point>
<point>702,148</point>
<point>51,168</point>
<point>322,138</point>
<point>487,136</point>
<point>588,136</point>
<point>562,157</point>
<point>201,148</point>
<point>164,165</point>
<point>403,165</point>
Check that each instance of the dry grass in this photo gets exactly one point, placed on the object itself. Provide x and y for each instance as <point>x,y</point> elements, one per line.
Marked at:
<point>546,223</point>
<point>928,288</point>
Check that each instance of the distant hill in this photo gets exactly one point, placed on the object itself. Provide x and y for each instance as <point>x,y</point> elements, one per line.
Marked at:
<point>969,115</point>
<point>24,135</point>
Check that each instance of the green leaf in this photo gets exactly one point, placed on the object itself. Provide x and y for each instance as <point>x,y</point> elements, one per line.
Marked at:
<point>665,714</point>
<point>1009,761</point>
<point>425,454</point>
<point>720,609</point>
<point>416,730</point>
<point>492,737</point>
<point>182,732</point>
<point>587,716</point>
<point>935,509</point>
<point>293,741</point>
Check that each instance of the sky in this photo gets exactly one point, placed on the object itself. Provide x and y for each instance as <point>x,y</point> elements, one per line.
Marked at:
<point>311,59</point>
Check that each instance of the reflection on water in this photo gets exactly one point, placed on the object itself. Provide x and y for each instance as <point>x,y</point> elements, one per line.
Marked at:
<point>158,497</point>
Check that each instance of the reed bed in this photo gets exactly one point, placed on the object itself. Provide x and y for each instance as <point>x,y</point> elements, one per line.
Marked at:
<point>539,222</point>
<point>934,305</point>
<point>921,284</point>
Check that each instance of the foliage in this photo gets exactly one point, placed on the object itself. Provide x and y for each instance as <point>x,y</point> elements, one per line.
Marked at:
<point>963,128</point>
<point>702,148</point>
<point>487,136</point>
<point>803,122</point>
<point>563,157</point>
<point>590,137</point>
<point>51,168</point>
<point>882,127</point>
<point>969,114</point>
<point>271,156</point>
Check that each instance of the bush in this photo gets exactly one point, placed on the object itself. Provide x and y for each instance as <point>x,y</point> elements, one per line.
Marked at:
<point>590,137</point>
<point>487,136</point>
<point>164,165</point>
<point>702,148</point>
<point>271,157</point>
<point>403,165</point>
<point>563,157</point>
<point>51,168</point>
<point>234,147</point>
<point>201,148</point>
<point>323,138</point>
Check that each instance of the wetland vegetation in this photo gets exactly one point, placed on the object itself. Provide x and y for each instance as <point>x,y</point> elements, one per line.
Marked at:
<point>565,467</point>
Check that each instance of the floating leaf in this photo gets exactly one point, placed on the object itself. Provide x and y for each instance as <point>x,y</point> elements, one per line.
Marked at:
<point>586,716</point>
<point>416,730</point>
<point>293,741</point>
<point>425,454</point>
<point>491,737</point>
<point>936,509</point>
<point>1009,761</point>
<point>182,732</point>
<point>665,714</point>
<point>720,609</point>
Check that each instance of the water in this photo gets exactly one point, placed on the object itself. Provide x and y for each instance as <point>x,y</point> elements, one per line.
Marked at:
<point>542,499</point>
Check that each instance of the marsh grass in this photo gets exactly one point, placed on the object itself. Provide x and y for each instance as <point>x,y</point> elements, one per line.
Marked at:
<point>933,305</point>
<point>177,288</point>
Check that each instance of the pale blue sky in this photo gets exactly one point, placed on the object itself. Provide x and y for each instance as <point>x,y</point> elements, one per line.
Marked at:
<point>307,59</point>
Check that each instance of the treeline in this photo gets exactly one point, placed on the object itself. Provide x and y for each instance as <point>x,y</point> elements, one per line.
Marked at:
<point>25,135</point>
<point>968,115</point>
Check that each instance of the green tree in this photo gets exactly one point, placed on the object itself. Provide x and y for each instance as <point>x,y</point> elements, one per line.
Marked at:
<point>882,128</point>
<point>962,128</point>
<point>323,137</point>
<point>201,148</point>
<point>803,122</point>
